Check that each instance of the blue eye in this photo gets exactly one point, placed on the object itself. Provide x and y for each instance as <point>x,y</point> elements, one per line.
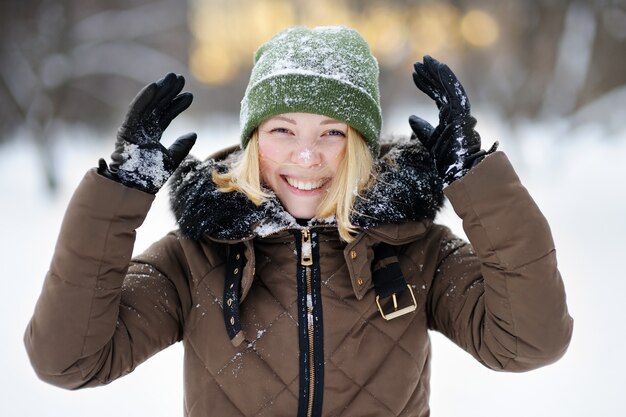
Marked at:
<point>335,132</point>
<point>280,130</point>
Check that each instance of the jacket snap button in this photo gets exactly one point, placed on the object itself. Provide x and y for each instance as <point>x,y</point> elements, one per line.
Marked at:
<point>229,302</point>
<point>236,271</point>
<point>359,281</point>
<point>353,254</point>
<point>238,256</point>
<point>232,321</point>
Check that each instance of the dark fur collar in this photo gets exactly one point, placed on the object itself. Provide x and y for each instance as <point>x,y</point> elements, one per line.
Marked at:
<point>407,188</point>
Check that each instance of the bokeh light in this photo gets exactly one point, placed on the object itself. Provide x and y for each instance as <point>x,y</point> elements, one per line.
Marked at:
<point>226,34</point>
<point>479,28</point>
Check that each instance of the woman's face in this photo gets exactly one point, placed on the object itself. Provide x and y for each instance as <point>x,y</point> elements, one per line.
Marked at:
<point>299,155</point>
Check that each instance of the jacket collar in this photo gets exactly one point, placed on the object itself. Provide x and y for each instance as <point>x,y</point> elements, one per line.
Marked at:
<point>407,189</point>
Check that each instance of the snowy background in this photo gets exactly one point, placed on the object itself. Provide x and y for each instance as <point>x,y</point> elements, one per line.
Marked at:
<point>553,72</point>
<point>573,169</point>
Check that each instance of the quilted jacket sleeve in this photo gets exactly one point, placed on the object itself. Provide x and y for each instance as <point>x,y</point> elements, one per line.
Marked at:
<point>501,298</point>
<point>98,315</point>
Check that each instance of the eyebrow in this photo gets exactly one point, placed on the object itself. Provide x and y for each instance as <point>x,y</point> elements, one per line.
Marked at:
<point>323,122</point>
<point>286,119</point>
<point>331,122</point>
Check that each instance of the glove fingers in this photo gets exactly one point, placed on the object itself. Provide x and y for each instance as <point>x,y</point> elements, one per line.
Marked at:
<point>425,83</point>
<point>423,69</point>
<point>137,120</point>
<point>450,84</point>
<point>431,65</point>
<point>140,103</point>
<point>176,107</point>
<point>425,87</point>
<point>422,129</point>
<point>442,148</point>
<point>441,76</point>
<point>164,86</point>
<point>448,105</point>
<point>455,91</point>
<point>180,149</point>
<point>174,89</point>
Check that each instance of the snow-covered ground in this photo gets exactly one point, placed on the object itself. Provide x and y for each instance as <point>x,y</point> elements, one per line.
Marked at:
<point>576,176</point>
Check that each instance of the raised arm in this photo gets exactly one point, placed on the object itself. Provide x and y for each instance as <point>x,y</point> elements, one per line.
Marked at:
<point>98,315</point>
<point>501,296</point>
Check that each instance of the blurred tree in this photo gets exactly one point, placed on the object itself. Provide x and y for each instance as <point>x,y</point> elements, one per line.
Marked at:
<point>75,61</point>
<point>552,58</point>
<point>80,61</point>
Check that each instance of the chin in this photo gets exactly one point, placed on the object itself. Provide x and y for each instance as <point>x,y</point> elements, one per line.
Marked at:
<point>301,213</point>
<point>300,206</point>
<point>302,209</point>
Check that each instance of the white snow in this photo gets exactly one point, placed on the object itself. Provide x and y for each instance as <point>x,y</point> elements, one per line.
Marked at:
<point>306,155</point>
<point>269,228</point>
<point>575,175</point>
<point>341,77</point>
<point>143,165</point>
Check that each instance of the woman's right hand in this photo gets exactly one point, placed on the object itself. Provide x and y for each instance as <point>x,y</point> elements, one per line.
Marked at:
<point>140,160</point>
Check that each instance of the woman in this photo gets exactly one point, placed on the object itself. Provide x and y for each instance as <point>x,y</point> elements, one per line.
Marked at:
<point>306,270</point>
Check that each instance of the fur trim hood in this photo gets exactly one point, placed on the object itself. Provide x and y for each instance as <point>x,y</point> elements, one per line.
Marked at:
<point>407,188</point>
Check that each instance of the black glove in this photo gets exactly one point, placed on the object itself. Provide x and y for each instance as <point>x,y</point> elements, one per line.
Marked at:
<point>140,160</point>
<point>454,143</point>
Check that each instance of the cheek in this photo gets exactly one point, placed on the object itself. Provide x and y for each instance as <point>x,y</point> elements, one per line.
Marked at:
<point>268,173</point>
<point>335,155</point>
<point>264,169</point>
<point>272,150</point>
<point>264,166</point>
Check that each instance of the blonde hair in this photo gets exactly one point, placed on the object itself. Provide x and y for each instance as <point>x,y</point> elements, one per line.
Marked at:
<point>354,174</point>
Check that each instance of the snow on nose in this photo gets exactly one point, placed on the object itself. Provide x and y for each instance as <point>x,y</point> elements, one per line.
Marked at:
<point>305,155</point>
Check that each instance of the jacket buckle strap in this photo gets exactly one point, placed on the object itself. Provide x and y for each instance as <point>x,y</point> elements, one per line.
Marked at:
<point>397,312</point>
<point>389,281</point>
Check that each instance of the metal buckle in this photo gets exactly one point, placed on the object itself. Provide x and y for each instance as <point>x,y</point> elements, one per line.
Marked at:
<point>397,313</point>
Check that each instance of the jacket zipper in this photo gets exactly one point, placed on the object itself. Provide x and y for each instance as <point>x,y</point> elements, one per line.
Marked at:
<point>307,272</point>
<point>306,260</point>
<point>311,343</point>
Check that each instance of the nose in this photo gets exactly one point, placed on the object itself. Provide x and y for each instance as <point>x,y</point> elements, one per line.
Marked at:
<point>306,154</point>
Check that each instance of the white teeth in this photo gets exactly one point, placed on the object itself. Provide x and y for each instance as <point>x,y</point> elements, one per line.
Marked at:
<point>305,185</point>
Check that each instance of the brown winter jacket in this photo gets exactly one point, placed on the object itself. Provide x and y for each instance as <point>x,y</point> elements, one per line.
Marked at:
<point>501,299</point>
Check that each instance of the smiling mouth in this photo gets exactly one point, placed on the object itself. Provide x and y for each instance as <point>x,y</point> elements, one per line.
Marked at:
<point>306,185</point>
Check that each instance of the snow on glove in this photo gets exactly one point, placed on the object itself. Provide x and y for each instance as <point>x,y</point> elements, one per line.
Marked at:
<point>454,143</point>
<point>140,160</point>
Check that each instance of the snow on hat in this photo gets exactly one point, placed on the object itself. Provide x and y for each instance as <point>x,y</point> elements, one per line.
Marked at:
<point>325,70</point>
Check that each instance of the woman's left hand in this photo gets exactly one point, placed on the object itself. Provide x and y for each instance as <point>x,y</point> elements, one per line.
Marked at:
<point>454,143</point>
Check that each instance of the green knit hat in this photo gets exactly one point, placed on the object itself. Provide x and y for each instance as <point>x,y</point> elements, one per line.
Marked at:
<point>326,70</point>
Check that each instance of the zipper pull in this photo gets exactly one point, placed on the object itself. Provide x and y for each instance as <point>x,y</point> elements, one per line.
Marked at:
<point>306,251</point>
